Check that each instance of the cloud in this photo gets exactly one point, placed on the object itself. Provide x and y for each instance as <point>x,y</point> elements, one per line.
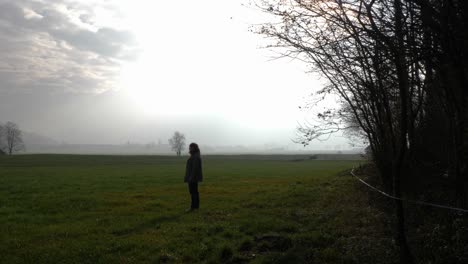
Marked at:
<point>59,46</point>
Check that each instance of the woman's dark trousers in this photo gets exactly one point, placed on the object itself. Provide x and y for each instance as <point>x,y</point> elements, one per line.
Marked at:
<point>193,189</point>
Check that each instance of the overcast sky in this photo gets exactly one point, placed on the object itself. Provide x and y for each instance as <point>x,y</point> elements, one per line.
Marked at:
<point>114,71</point>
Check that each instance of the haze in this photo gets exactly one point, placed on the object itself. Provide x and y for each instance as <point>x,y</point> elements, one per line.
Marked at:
<point>110,72</point>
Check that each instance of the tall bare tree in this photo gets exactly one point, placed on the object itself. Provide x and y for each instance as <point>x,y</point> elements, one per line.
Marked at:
<point>369,52</point>
<point>400,68</point>
<point>446,38</point>
<point>13,138</point>
<point>177,142</point>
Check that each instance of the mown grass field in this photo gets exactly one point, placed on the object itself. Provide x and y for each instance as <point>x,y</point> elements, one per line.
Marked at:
<point>130,209</point>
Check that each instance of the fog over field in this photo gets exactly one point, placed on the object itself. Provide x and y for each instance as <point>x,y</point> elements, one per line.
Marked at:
<point>114,72</point>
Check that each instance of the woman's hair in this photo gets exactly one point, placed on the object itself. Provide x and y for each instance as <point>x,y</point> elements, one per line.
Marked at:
<point>194,148</point>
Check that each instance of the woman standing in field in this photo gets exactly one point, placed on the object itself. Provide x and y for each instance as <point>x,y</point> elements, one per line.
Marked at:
<point>193,175</point>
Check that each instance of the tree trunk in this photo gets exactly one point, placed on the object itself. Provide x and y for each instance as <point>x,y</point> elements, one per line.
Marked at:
<point>460,163</point>
<point>460,131</point>
<point>403,86</point>
<point>405,253</point>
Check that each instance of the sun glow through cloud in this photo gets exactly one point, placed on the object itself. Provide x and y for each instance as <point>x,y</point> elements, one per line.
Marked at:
<point>142,69</point>
<point>196,61</point>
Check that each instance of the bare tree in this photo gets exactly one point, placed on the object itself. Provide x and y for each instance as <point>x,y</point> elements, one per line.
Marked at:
<point>444,23</point>
<point>177,142</point>
<point>2,139</point>
<point>369,51</point>
<point>13,138</point>
<point>399,67</point>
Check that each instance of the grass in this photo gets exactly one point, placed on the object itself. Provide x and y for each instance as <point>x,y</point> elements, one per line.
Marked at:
<point>130,209</point>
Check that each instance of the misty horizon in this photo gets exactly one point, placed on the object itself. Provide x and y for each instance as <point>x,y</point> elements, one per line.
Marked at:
<point>37,144</point>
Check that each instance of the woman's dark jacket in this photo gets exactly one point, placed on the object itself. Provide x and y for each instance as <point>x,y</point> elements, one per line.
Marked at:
<point>193,169</point>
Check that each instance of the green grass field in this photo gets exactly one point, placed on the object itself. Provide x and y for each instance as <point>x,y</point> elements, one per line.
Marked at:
<point>130,209</point>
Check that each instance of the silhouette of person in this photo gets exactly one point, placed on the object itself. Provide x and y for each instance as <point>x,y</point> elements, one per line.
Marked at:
<point>194,175</point>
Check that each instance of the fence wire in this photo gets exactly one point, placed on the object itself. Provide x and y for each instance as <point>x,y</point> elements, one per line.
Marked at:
<point>461,210</point>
